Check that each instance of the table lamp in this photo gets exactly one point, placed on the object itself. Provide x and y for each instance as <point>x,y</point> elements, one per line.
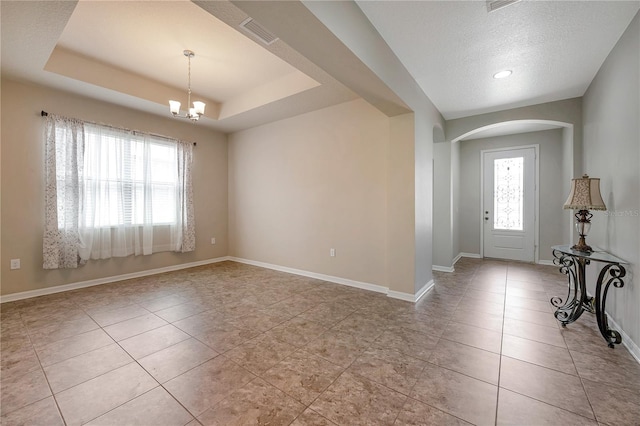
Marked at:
<point>584,196</point>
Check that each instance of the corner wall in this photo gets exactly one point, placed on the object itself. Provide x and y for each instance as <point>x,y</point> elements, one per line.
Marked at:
<point>301,186</point>
<point>398,94</point>
<point>442,202</point>
<point>455,201</point>
<point>401,212</point>
<point>23,186</point>
<point>611,116</point>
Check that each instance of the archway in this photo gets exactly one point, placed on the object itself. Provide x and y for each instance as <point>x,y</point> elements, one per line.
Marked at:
<point>447,218</point>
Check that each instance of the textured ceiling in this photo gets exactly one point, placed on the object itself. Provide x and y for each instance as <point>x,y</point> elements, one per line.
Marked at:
<point>130,53</point>
<point>453,48</point>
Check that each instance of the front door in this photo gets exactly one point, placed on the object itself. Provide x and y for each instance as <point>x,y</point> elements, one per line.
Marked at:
<point>509,204</point>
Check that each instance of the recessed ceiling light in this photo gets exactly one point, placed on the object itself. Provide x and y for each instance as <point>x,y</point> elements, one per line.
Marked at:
<point>502,74</point>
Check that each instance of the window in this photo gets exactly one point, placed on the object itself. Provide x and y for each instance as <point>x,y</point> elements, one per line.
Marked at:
<point>129,179</point>
<point>114,192</point>
<point>508,193</point>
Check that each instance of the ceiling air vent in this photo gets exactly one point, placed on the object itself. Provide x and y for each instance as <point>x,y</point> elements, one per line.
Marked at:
<point>493,5</point>
<point>258,31</point>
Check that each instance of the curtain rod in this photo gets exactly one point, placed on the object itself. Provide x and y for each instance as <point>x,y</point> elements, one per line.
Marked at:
<point>44,113</point>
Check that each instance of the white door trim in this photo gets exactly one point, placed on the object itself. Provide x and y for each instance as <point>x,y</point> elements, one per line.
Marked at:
<point>536,197</point>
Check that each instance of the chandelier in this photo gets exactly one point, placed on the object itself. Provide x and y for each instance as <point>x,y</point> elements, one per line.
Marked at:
<point>197,110</point>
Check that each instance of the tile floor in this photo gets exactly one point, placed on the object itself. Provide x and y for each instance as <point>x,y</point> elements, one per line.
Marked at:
<point>236,344</point>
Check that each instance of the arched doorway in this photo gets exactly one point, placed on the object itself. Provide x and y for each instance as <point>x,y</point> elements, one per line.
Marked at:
<point>462,219</point>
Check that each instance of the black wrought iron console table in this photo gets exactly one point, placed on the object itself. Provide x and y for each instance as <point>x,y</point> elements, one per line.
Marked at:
<point>573,263</point>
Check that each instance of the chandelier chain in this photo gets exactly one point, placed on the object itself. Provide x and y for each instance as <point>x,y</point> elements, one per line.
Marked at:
<point>189,86</point>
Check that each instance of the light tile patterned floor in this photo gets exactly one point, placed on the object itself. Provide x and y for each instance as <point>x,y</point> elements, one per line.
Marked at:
<point>236,344</point>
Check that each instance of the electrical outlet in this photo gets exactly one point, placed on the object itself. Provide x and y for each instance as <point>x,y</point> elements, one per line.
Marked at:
<point>15,263</point>
<point>213,240</point>
<point>332,252</point>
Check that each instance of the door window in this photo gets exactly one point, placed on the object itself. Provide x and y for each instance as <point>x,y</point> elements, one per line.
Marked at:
<point>508,193</point>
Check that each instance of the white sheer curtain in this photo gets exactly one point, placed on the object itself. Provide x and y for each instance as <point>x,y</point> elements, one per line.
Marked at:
<point>184,237</point>
<point>135,194</point>
<point>64,154</point>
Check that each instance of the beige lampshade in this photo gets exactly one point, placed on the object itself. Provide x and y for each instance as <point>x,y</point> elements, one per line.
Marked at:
<point>585,194</point>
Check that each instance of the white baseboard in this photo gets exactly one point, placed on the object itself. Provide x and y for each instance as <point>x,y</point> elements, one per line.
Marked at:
<point>633,348</point>
<point>407,297</point>
<point>470,255</point>
<point>453,264</point>
<point>477,256</point>
<point>338,280</point>
<point>424,290</point>
<point>410,297</point>
<point>98,281</point>
<point>323,277</point>
<point>442,268</point>
<point>344,281</point>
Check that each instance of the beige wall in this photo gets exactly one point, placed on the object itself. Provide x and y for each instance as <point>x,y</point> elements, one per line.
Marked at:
<point>286,192</point>
<point>22,183</point>
<point>612,152</point>
<point>303,185</point>
<point>401,202</point>
<point>455,200</point>
<point>442,201</point>
<point>398,94</point>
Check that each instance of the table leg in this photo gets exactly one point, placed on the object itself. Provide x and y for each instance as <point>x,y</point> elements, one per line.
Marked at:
<point>613,273</point>
<point>577,300</point>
